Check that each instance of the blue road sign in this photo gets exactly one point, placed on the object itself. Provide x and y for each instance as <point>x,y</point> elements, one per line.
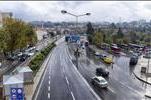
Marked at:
<point>75,38</point>
<point>72,38</point>
<point>17,94</point>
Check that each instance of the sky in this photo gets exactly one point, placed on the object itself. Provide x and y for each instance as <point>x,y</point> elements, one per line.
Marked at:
<point>112,11</point>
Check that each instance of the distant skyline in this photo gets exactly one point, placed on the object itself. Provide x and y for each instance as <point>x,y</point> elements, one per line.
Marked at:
<point>112,11</point>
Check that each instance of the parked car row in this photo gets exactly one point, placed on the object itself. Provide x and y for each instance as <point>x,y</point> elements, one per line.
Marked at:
<point>22,56</point>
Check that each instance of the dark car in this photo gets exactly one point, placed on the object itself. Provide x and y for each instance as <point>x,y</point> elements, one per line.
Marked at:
<point>102,72</point>
<point>11,57</point>
<point>133,60</point>
<point>86,44</point>
<point>23,57</point>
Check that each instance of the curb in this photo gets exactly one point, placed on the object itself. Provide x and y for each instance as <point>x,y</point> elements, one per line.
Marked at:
<point>48,57</point>
<point>141,79</point>
<point>148,96</point>
<point>91,90</point>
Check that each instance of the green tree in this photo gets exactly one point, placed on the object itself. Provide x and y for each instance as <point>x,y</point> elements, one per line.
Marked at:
<point>19,34</point>
<point>97,38</point>
<point>90,29</point>
<point>90,32</point>
<point>120,33</point>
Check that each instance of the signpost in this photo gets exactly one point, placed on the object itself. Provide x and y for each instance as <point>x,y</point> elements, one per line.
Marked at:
<point>72,38</point>
<point>17,94</point>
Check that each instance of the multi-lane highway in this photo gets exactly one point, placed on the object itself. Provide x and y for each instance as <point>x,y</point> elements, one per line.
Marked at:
<point>62,81</point>
<point>122,83</point>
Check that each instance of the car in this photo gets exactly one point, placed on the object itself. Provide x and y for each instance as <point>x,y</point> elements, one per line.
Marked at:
<point>102,56</point>
<point>86,44</point>
<point>19,54</point>
<point>133,60</point>
<point>97,54</point>
<point>23,57</point>
<point>102,72</point>
<point>12,57</point>
<point>108,60</point>
<point>99,81</point>
<point>30,54</point>
<point>82,46</point>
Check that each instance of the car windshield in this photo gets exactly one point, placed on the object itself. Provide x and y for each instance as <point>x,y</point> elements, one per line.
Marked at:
<point>102,81</point>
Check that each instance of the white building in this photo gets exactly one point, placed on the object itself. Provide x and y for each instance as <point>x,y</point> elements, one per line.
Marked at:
<point>4,15</point>
<point>40,33</point>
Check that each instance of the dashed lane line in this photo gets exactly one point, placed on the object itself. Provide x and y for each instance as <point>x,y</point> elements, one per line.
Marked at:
<point>48,88</point>
<point>73,98</point>
<point>49,82</point>
<point>111,89</point>
<point>67,80</point>
<point>48,95</point>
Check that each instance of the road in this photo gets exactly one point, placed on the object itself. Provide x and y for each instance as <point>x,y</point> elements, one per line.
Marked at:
<point>122,83</point>
<point>61,80</point>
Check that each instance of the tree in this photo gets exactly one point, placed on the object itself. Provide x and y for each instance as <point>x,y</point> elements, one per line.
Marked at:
<point>19,34</point>
<point>97,39</point>
<point>3,39</point>
<point>112,26</point>
<point>90,32</point>
<point>90,29</point>
<point>120,33</point>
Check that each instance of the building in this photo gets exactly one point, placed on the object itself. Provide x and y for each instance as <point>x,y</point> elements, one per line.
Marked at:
<point>4,15</point>
<point>41,33</point>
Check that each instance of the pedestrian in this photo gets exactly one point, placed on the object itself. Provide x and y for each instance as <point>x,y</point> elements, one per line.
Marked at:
<point>112,61</point>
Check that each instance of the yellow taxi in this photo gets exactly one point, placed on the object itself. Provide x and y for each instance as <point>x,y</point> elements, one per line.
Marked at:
<point>108,60</point>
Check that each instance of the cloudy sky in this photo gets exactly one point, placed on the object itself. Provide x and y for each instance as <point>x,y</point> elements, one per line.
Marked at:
<point>100,10</point>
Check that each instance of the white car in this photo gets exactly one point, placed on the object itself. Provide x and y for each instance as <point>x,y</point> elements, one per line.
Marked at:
<point>19,54</point>
<point>99,81</point>
<point>97,54</point>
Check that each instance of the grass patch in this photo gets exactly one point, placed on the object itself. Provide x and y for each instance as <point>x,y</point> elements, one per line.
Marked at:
<point>37,61</point>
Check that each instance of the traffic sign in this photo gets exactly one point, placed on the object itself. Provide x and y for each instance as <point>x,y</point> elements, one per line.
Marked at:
<point>17,94</point>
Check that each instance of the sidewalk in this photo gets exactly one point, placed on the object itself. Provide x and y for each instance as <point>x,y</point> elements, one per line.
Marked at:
<point>143,62</point>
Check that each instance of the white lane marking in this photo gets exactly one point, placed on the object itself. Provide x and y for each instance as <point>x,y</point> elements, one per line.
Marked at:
<point>48,95</point>
<point>90,88</point>
<point>43,76</point>
<point>48,88</point>
<point>63,70</point>
<point>49,82</point>
<point>67,80</point>
<point>49,77</point>
<point>111,89</point>
<point>73,98</point>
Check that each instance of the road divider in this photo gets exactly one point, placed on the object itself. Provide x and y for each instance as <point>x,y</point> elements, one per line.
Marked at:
<point>36,63</point>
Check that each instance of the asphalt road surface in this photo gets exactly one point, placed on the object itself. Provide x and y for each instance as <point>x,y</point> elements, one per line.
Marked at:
<point>61,80</point>
<point>122,83</point>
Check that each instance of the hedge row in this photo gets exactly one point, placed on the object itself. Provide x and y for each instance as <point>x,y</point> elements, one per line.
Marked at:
<point>39,58</point>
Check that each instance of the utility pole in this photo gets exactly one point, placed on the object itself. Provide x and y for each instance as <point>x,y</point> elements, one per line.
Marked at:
<point>76,53</point>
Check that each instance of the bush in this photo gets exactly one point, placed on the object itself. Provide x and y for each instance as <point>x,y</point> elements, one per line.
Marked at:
<point>39,58</point>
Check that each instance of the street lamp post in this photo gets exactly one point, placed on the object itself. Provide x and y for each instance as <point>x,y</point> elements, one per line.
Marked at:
<point>76,16</point>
